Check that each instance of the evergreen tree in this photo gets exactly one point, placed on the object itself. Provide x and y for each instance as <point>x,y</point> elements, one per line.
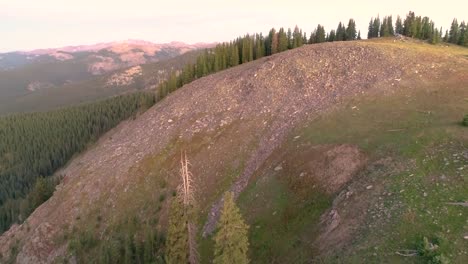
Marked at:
<point>399,26</point>
<point>462,35</point>
<point>376,28</point>
<point>331,36</point>
<point>231,239</point>
<point>319,34</point>
<point>391,30</point>
<point>297,37</point>
<point>290,43</point>
<point>282,40</point>
<point>351,30</point>
<point>409,27</point>
<point>177,244</point>
<point>234,58</point>
<point>359,35</point>
<point>454,30</point>
<point>340,32</point>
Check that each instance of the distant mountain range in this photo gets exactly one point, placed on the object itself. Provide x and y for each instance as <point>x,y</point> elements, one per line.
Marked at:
<point>46,78</point>
<point>102,57</point>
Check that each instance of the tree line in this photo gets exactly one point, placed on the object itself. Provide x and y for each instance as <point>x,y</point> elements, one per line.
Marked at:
<point>252,47</point>
<point>420,28</point>
<point>34,145</point>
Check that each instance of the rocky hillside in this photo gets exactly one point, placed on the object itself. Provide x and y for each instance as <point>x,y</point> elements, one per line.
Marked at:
<point>316,142</point>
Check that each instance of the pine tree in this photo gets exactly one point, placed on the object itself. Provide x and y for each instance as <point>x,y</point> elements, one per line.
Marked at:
<point>282,40</point>
<point>399,26</point>
<point>370,30</point>
<point>231,239</point>
<point>351,30</point>
<point>332,36</point>
<point>319,34</point>
<point>376,27</point>
<point>391,30</point>
<point>340,32</point>
<point>453,34</point>
<point>177,250</point>
<point>359,35</point>
<point>462,35</point>
<point>297,37</point>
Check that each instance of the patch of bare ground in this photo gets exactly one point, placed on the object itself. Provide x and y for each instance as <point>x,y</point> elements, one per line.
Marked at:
<point>261,103</point>
<point>341,223</point>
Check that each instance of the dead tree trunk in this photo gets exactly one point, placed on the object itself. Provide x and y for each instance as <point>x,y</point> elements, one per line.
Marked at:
<point>187,191</point>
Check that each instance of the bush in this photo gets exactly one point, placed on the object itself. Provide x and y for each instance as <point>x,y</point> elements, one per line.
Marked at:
<point>465,120</point>
<point>430,251</point>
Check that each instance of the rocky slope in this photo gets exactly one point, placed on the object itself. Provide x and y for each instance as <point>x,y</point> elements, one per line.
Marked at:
<point>231,123</point>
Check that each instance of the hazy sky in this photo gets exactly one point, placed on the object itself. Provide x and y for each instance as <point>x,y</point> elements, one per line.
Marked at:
<point>31,24</point>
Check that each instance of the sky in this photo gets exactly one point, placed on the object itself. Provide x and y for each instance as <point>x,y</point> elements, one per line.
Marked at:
<point>33,24</point>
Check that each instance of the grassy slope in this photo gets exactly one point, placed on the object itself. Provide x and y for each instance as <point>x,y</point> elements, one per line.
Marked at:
<point>418,124</point>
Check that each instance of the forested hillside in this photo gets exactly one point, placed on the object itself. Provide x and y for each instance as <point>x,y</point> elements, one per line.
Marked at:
<point>34,145</point>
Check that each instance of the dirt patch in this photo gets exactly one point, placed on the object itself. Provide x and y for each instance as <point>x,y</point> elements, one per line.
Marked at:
<point>341,223</point>
<point>335,166</point>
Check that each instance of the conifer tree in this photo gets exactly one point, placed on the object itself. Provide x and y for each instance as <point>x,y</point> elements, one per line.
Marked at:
<point>331,37</point>
<point>351,30</point>
<point>359,35</point>
<point>319,34</point>
<point>177,250</point>
<point>231,239</point>
<point>370,29</point>
<point>282,40</point>
<point>453,34</point>
<point>399,26</point>
<point>462,34</point>
<point>376,28</point>
<point>391,30</point>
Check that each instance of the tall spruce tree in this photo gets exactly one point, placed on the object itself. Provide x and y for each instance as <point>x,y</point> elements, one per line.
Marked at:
<point>462,34</point>
<point>370,29</point>
<point>319,34</point>
<point>399,26</point>
<point>231,239</point>
<point>332,36</point>
<point>177,244</point>
<point>351,30</point>
<point>453,34</point>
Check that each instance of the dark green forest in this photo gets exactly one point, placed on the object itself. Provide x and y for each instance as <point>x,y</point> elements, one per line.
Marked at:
<point>35,145</point>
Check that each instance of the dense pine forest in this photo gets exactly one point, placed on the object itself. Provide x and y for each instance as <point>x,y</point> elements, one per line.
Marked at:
<point>34,145</point>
